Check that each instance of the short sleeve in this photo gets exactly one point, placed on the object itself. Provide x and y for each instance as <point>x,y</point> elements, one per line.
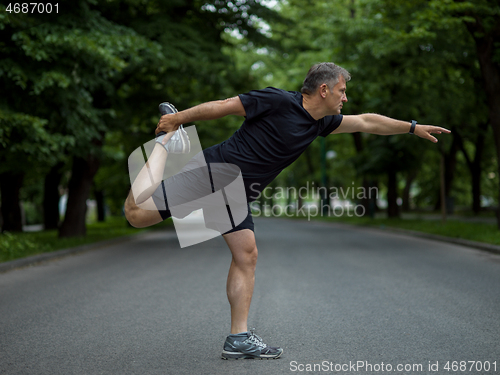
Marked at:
<point>330,123</point>
<point>260,103</point>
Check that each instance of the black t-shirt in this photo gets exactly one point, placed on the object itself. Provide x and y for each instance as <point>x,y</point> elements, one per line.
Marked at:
<point>276,131</point>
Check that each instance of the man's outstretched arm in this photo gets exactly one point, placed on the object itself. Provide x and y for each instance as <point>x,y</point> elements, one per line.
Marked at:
<point>205,111</point>
<point>383,125</point>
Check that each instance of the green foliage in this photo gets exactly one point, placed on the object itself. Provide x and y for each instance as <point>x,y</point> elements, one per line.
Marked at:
<point>194,67</point>
<point>27,140</point>
<point>20,245</point>
<point>408,60</point>
<point>56,77</point>
<point>13,246</point>
<point>90,78</point>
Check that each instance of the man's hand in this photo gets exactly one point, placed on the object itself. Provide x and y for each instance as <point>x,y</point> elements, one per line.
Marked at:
<point>167,123</point>
<point>425,131</point>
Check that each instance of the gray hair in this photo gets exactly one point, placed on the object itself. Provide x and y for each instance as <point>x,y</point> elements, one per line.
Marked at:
<point>325,72</point>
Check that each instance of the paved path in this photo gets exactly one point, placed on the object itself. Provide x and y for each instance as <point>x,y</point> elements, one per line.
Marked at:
<point>330,295</point>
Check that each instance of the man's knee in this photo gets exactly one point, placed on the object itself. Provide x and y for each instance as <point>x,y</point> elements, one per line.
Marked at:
<point>252,254</point>
<point>140,218</point>
<point>243,247</point>
<point>246,256</point>
<point>131,214</point>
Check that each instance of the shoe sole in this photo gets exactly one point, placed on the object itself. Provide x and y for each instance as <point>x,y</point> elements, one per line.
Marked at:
<point>238,355</point>
<point>167,108</point>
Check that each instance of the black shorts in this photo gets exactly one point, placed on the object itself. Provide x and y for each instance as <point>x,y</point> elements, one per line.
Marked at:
<point>160,196</point>
<point>247,223</point>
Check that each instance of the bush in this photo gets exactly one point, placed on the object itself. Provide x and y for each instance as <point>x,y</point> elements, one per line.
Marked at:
<point>14,246</point>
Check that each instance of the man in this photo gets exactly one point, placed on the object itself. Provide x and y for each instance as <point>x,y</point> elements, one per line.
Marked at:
<point>278,127</point>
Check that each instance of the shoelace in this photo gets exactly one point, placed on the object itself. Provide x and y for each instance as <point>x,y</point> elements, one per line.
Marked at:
<point>256,339</point>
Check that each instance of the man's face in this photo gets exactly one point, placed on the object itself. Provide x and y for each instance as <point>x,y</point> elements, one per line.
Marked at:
<point>337,96</point>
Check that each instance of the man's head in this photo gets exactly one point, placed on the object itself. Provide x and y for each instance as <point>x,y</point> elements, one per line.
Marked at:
<point>325,72</point>
<point>324,91</point>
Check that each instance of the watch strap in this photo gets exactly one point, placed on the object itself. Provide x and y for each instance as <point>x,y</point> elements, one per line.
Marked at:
<point>412,128</point>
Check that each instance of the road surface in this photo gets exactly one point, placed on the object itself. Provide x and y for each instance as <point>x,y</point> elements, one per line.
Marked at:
<point>337,299</point>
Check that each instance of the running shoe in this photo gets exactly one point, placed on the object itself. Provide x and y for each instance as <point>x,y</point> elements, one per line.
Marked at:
<point>248,345</point>
<point>179,142</point>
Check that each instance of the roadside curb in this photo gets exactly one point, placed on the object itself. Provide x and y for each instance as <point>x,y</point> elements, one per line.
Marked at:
<point>458,241</point>
<point>495,249</point>
<point>35,259</point>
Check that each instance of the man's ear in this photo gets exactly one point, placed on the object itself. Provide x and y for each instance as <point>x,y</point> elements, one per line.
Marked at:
<point>322,90</point>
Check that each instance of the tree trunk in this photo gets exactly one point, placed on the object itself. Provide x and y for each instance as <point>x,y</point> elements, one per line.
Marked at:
<point>476,189</point>
<point>10,185</point>
<point>82,174</point>
<point>450,163</point>
<point>406,192</point>
<point>51,197</point>
<point>309,162</point>
<point>485,47</point>
<point>494,114</point>
<point>101,209</point>
<point>392,195</point>
<point>369,202</point>
<point>299,204</point>
<point>474,165</point>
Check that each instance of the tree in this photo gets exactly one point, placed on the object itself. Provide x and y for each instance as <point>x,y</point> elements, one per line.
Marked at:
<point>63,68</point>
<point>100,70</point>
<point>481,17</point>
<point>411,59</point>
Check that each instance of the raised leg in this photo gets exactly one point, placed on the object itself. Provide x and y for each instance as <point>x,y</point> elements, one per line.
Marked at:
<point>140,217</point>
<point>151,174</point>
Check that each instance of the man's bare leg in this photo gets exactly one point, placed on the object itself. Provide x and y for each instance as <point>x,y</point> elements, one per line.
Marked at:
<point>240,281</point>
<point>144,216</point>
<point>241,277</point>
<point>151,174</point>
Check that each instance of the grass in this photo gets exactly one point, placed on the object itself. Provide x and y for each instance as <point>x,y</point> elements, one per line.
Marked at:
<point>463,224</point>
<point>20,245</point>
<point>481,232</point>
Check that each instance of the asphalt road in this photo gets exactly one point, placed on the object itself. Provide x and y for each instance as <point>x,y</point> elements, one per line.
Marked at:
<point>333,297</point>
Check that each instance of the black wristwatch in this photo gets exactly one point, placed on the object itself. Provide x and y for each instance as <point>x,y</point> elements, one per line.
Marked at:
<point>412,129</point>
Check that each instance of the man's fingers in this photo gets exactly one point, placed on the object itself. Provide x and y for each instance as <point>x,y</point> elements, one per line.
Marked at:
<point>165,124</point>
<point>442,130</point>
<point>428,130</point>
<point>432,138</point>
